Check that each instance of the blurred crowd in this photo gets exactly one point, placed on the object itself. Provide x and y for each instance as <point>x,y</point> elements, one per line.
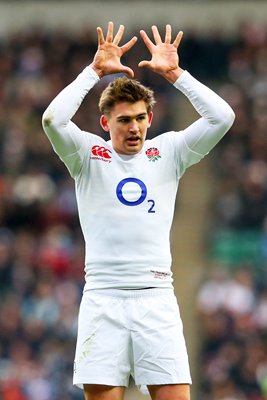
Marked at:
<point>232,300</point>
<point>41,246</point>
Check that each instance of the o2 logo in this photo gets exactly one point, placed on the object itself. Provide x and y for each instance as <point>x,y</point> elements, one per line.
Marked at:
<point>141,199</point>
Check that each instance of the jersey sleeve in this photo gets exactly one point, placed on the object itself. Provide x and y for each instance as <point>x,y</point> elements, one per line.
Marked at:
<point>216,118</point>
<point>69,141</point>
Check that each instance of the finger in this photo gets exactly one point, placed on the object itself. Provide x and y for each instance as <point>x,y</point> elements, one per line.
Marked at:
<point>156,35</point>
<point>168,34</point>
<point>100,35</point>
<point>110,32</point>
<point>127,46</point>
<point>149,44</point>
<point>178,39</point>
<point>119,34</point>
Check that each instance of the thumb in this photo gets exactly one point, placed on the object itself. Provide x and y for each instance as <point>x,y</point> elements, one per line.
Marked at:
<point>144,64</point>
<point>128,71</point>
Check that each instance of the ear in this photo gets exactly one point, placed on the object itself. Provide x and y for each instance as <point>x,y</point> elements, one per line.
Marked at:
<point>150,118</point>
<point>104,123</point>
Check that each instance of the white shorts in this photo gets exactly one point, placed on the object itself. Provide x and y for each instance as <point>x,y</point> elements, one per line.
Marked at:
<point>123,333</point>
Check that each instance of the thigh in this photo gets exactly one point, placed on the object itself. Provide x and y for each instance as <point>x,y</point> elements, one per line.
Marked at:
<point>159,349</point>
<point>169,392</point>
<point>103,392</point>
<point>103,344</point>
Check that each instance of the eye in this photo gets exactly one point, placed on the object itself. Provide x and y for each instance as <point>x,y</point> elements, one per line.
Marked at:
<point>124,120</point>
<point>141,117</point>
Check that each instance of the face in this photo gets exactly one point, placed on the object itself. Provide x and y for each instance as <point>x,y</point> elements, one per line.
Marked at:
<point>127,125</point>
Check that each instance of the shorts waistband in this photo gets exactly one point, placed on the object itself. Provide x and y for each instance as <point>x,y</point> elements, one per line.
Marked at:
<point>132,293</point>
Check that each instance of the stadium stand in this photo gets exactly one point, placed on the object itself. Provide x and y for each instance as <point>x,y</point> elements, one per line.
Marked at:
<point>41,247</point>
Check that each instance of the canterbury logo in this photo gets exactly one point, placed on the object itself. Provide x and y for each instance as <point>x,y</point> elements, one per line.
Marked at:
<point>101,153</point>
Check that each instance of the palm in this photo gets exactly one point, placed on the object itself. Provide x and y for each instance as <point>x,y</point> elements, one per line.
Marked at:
<point>107,58</point>
<point>164,56</point>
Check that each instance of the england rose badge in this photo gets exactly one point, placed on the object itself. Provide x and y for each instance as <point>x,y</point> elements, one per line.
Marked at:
<point>153,154</point>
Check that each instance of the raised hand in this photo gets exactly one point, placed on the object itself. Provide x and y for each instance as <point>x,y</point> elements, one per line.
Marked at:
<point>165,60</point>
<point>107,58</point>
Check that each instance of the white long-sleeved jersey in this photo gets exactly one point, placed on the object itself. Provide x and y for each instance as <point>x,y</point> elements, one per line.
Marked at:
<point>126,203</point>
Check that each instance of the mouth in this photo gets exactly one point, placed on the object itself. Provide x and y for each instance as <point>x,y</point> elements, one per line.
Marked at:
<point>133,140</point>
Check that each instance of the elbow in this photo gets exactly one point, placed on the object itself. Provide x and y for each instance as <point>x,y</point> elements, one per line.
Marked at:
<point>47,119</point>
<point>231,117</point>
<point>227,119</point>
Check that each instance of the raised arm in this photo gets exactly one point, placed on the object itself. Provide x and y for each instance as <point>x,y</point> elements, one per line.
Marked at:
<point>57,124</point>
<point>216,115</point>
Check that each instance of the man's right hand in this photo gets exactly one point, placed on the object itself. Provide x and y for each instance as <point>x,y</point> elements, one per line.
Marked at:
<point>107,58</point>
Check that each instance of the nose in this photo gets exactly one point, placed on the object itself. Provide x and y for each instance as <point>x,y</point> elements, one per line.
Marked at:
<point>133,127</point>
